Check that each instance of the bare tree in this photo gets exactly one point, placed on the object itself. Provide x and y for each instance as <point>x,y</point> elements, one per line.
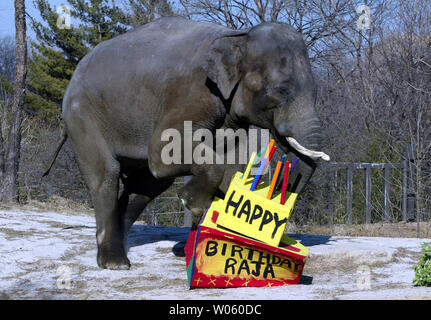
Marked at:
<point>374,89</point>
<point>12,154</point>
<point>7,72</point>
<point>144,11</point>
<point>7,57</point>
<point>375,93</point>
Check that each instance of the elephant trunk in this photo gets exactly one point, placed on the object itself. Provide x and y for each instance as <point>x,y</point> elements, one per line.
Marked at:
<point>310,144</point>
<point>301,132</point>
<point>301,129</point>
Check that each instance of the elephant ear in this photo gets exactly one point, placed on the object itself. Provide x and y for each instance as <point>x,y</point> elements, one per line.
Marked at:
<point>222,62</point>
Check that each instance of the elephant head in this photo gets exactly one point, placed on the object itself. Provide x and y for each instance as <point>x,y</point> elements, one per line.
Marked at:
<point>265,78</point>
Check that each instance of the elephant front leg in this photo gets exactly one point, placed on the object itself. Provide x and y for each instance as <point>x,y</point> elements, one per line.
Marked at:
<point>199,191</point>
<point>206,175</point>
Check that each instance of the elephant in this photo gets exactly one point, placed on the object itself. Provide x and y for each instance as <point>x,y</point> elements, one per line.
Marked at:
<point>128,90</point>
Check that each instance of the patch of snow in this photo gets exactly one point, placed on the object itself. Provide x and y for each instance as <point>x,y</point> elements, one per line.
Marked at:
<point>38,249</point>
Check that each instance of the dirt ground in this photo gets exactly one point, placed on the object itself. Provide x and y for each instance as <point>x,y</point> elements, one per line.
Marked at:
<point>52,255</point>
<point>398,230</point>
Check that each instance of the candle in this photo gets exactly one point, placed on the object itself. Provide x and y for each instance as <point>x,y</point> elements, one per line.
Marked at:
<point>285,178</point>
<point>268,160</point>
<point>268,153</point>
<point>248,169</point>
<point>259,154</point>
<point>294,164</point>
<point>258,174</point>
<point>274,180</point>
<point>269,149</point>
<point>280,176</point>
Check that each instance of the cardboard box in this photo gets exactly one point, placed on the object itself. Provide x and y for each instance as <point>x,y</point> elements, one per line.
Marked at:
<point>218,257</point>
<point>251,214</point>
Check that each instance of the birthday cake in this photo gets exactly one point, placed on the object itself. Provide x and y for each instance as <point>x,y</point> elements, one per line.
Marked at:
<point>240,240</point>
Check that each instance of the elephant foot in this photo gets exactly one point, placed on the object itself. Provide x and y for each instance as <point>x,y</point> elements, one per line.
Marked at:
<point>113,259</point>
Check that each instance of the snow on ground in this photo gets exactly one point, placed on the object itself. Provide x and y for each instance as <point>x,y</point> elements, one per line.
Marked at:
<point>48,255</point>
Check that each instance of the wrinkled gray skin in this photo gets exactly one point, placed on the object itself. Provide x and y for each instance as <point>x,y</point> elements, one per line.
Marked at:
<point>127,90</point>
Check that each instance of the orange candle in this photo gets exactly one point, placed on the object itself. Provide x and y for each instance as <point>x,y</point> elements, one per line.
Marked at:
<point>269,149</point>
<point>274,180</point>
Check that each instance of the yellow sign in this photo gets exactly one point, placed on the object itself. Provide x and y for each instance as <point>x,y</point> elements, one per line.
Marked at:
<point>223,258</point>
<point>250,213</point>
<point>211,221</point>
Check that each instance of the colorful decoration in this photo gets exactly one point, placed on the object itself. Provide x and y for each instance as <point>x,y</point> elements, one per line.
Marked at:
<point>217,257</point>
<point>263,164</point>
<point>274,180</point>
<point>285,179</point>
<point>250,213</point>
<point>240,241</point>
<point>248,169</point>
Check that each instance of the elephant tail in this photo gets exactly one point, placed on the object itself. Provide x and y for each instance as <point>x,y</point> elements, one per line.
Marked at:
<point>60,143</point>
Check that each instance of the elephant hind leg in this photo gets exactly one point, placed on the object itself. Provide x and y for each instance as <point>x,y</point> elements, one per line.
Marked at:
<point>100,171</point>
<point>110,236</point>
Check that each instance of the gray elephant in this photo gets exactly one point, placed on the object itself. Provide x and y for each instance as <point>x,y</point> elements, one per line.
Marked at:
<point>129,89</point>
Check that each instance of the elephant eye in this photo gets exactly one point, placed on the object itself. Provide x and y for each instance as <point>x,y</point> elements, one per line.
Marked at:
<point>253,81</point>
<point>287,83</point>
<point>271,107</point>
<point>283,62</point>
<point>282,89</point>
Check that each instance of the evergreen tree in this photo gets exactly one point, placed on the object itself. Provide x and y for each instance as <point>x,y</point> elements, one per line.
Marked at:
<point>60,47</point>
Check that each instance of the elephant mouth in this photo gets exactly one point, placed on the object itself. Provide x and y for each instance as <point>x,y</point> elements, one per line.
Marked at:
<point>315,155</point>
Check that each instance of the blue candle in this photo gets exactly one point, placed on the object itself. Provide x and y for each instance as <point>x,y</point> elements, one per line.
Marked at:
<point>294,164</point>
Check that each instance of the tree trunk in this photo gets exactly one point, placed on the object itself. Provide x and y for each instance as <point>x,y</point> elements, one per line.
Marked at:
<point>1,159</point>
<point>10,177</point>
